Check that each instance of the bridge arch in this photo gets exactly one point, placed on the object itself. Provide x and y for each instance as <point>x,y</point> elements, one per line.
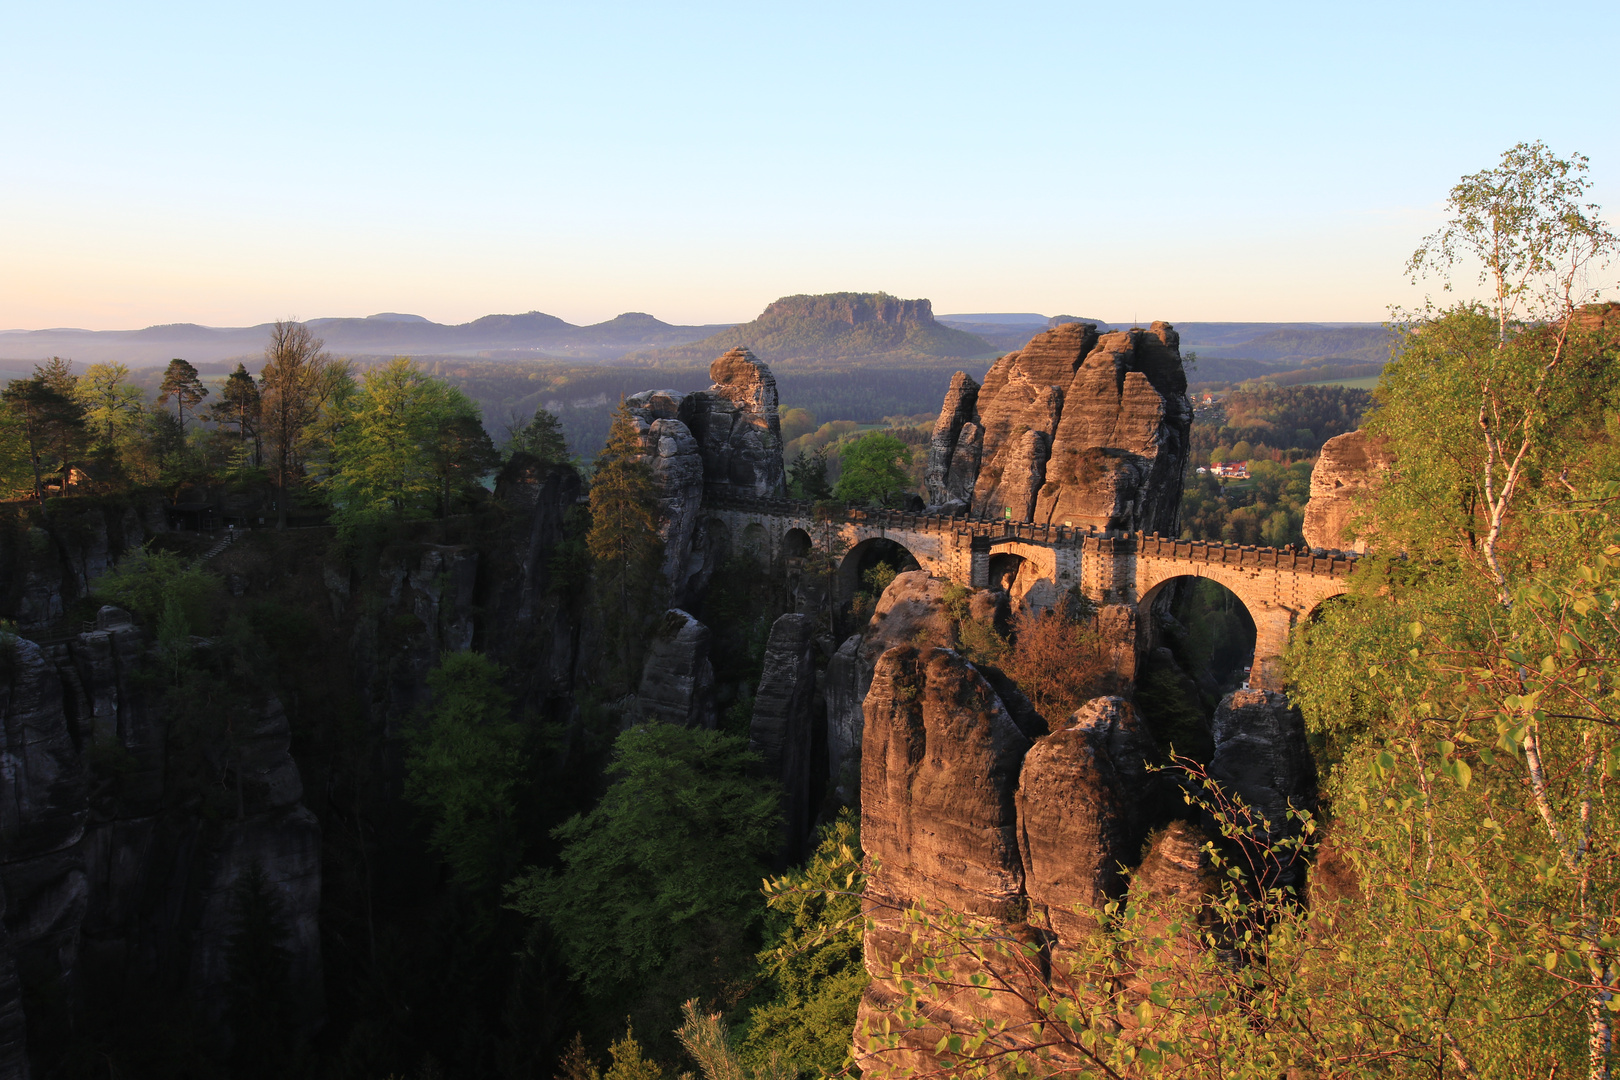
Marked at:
<point>1221,632</point>
<point>1035,574</point>
<point>796,544</point>
<point>756,542</point>
<point>1276,596</point>
<point>865,555</point>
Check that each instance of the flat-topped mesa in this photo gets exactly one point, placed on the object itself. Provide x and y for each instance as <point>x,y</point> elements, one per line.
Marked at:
<point>1077,427</point>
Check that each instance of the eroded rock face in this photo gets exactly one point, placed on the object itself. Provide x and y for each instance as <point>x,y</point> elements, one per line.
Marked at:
<point>910,611</point>
<point>13,1024</point>
<point>1077,815</point>
<point>949,481</point>
<point>780,732</point>
<point>1075,427</point>
<point>743,428</point>
<point>1262,758</point>
<point>939,764</point>
<point>726,440</point>
<point>1349,465</point>
<point>939,767</point>
<point>677,468</point>
<point>677,679</point>
<point>108,892</point>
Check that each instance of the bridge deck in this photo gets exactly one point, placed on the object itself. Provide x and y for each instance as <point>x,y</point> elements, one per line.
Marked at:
<point>1150,545</point>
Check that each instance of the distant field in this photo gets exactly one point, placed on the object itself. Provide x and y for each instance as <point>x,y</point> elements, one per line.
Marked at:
<point>1367,382</point>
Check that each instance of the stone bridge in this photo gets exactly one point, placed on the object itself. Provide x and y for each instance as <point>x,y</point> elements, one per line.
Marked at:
<point>1280,587</point>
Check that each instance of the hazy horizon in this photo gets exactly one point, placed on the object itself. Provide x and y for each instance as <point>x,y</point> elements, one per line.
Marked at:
<point>222,166</point>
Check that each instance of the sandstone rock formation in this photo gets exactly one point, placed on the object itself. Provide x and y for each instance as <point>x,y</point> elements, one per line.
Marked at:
<point>677,679</point>
<point>910,611</point>
<point>738,428</point>
<point>938,817</point>
<point>780,732</point>
<point>1262,758</point>
<point>107,889</point>
<point>13,1024</point>
<point>1349,465</point>
<point>726,440</point>
<point>1075,427</point>
<point>940,761</point>
<point>1077,816</point>
<point>953,451</point>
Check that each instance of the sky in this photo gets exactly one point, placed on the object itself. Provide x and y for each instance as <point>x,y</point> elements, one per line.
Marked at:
<point>232,163</point>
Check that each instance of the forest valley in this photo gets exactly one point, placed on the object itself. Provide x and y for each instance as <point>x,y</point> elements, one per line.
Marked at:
<point>445,760</point>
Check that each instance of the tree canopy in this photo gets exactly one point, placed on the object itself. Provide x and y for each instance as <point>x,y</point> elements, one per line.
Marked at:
<point>875,470</point>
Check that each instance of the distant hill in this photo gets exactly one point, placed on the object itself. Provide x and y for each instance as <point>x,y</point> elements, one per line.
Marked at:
<point>1295,345</point>
<point>833,329</point>
<point>528,336</point>
<point>1008,331</point>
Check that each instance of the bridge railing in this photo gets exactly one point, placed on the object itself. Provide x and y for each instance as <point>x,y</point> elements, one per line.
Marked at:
<point>1297,560</point>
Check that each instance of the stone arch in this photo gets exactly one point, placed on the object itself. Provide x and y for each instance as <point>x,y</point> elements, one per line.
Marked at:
<point>1004,568</point>
<point>796,543</point>
<point>1035,583</point>
<point>1232,655</point>
<point>756,542</point>
<point>867,554</point>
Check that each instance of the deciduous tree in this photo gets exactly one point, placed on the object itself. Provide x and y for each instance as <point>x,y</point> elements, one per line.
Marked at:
<point>112,406</point>
<point>873,469</point>
<point>299,378</point>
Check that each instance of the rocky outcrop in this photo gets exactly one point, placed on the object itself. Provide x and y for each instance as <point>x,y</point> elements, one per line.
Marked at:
<point>1076,427</point>
<point>1078,823</point>
<point>780,732</point>
<point>49,556</point>
<point>1263,761</point>
<point>738,429</point>
<point>110,893</point>
<point>910,611</point>
<point>678,467</point>
<point>726,440</point>
<point>677,678</point>
<point>1349,466</point>
<point>13,1024</point>
<point>939,768</point>
<point>953,450</point>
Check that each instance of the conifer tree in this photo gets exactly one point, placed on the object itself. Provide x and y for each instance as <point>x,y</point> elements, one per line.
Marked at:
<point>182,383</point>
<point>624,539</point>
<point>543,437</point>
<point>50,420</point>
<point>239,407</point>
<point>259,1003</point>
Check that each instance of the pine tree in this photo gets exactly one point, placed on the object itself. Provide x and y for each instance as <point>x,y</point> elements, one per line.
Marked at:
<point>49,418</point>
<point>624,539</point>
<point>239,407</point>
<point>543,437</point>
<point>807,476</point>
<point>182,383</point>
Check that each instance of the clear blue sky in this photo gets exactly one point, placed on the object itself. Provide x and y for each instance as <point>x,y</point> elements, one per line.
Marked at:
<point>231,163</point>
